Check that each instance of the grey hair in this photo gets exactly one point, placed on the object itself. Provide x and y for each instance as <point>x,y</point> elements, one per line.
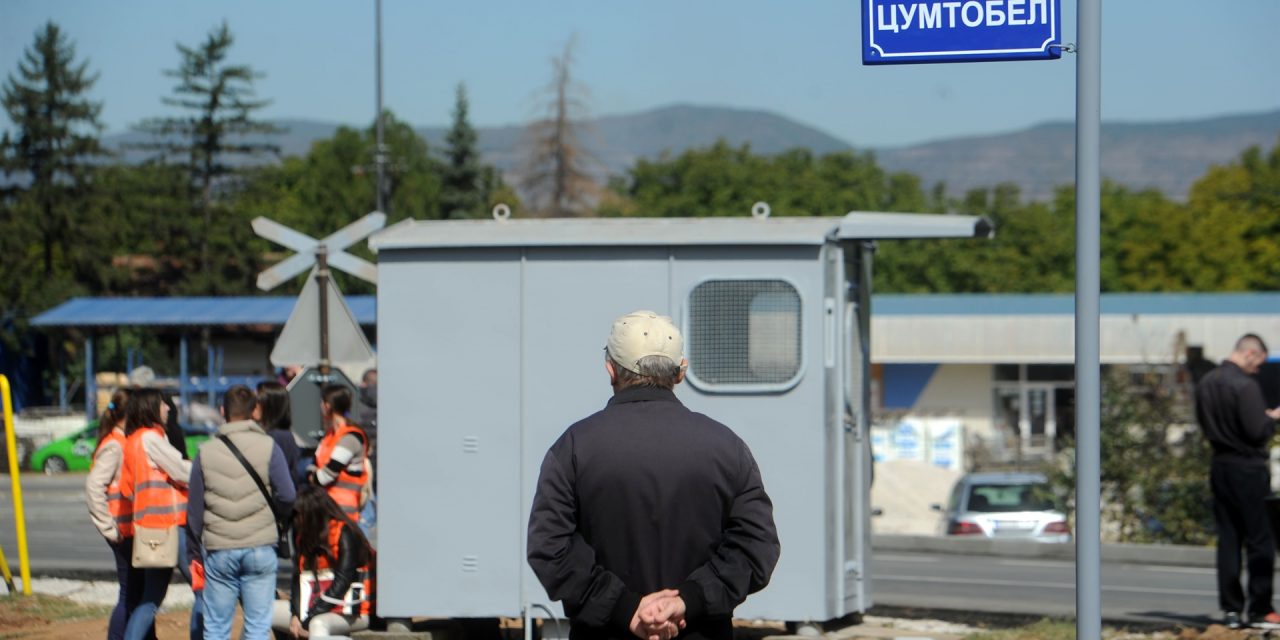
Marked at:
<point>657,372</point>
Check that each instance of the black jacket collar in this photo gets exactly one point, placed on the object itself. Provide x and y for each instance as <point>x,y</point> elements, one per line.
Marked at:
<point>643,394</point>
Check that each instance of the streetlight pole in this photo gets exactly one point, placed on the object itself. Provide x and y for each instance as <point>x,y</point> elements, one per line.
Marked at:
<point>380,152</point>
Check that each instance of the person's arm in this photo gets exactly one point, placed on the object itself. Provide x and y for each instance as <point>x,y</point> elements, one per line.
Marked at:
<point>564,562</point>
<point>743,560</point>
<point>1254,415</point>
<point>346,453</point>
<point>173,430</point>
<point>195,501</point>
<point>351,554</point>
<point>294,591</point>
<point>167,458</point>
<point>106,462</point>
<point>282,490</point>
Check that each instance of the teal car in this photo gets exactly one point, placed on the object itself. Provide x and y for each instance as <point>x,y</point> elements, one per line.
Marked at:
<point>75,452</point>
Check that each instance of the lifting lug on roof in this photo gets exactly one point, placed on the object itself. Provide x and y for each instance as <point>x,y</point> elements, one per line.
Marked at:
<point>760,210</point>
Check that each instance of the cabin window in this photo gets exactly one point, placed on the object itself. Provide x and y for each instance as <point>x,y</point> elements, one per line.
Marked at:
<point>744,333</point>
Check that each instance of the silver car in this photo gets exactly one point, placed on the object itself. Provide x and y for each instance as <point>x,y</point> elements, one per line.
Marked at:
<point>1004,505</point>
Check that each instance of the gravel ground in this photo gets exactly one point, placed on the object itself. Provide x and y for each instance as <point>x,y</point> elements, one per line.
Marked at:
<point>94,592</point>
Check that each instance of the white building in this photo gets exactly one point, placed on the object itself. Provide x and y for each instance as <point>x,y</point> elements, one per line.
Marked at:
<point>1002,365</point>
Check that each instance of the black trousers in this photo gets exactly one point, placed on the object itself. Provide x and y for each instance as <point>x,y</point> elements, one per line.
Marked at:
<point>1239,491</point>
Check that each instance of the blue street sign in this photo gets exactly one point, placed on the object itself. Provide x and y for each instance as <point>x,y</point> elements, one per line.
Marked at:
<point>915,31</point>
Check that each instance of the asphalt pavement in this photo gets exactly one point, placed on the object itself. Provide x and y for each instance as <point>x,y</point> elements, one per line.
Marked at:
<point>925,575</point>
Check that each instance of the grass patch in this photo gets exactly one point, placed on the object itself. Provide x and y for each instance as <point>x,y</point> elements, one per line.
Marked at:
<point>26,612</point>
<point>1042,630</point>
<point>1058,629</point>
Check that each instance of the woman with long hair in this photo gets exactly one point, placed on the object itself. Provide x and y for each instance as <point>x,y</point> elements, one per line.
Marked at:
<point>275,416</point>
<point>155,478</point>
<point>341,453</point>
<point>331,590</point>
<point>109,510</point>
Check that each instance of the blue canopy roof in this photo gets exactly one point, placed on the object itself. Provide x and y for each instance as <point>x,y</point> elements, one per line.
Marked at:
<point>274,310</point>
<point>199,311</point>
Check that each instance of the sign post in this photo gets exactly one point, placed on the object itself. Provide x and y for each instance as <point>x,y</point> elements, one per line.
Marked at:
<point>305,338</point>
<point>322,253</point>
<point>921,31</point>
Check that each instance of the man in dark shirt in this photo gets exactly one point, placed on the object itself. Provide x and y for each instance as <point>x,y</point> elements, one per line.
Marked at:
<point>1231,411</point>
<point>650,520</point>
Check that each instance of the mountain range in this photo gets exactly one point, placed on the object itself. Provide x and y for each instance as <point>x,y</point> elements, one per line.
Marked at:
<point>1168,156</point>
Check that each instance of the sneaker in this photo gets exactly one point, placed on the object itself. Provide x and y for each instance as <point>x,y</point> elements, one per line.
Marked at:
<point>1269,621</point>
<point>1232,620</point>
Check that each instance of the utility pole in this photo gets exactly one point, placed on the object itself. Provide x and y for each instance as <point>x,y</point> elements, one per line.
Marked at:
<point>380,152</point>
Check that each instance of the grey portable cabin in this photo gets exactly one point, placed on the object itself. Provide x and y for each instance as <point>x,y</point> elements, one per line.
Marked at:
<point>491,337</point>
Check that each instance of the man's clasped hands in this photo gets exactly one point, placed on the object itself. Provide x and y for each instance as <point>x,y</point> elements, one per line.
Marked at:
<point>660,616</point>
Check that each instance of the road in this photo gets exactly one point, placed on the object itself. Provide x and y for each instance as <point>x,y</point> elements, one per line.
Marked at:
<point>61,540</point>
<point>1135,593</point>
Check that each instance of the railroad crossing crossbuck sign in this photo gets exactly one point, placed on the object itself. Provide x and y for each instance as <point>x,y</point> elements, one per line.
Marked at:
<point>308,248</point>
<point>305,339</point>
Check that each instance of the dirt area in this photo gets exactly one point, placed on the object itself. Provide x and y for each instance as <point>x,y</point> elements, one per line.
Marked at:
<point>171,625</point>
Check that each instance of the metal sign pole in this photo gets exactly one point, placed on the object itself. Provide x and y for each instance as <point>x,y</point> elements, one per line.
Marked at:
<point>1088,369</point>
<point>322,279</point>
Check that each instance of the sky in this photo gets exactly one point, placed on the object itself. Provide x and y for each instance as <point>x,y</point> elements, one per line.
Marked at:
<point>1163,60</point>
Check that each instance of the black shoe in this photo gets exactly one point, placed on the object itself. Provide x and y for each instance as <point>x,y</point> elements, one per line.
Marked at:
<point>1269,621</point>
<point>1232,620</point>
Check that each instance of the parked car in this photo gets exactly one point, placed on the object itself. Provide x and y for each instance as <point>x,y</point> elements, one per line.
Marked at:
<point>75,452</point>
<point>1004,505</point>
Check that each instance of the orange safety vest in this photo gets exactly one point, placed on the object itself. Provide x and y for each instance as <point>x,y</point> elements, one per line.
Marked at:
<point>363,576</point>
<point>121,508</point>
<point>346,489</point>
<point>157,502</point>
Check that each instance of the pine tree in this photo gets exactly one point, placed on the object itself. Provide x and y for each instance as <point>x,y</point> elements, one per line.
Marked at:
<point>51,156</point>
<point>218,101</point>
<point>463,189</point>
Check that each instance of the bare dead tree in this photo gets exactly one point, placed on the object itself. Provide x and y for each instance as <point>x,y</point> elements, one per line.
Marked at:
<point>556,176</point>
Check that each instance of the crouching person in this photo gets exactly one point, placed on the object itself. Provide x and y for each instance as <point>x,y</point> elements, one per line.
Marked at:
<point>331,591</point>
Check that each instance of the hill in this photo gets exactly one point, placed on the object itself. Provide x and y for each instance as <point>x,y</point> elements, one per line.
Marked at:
<point>1167,156</point>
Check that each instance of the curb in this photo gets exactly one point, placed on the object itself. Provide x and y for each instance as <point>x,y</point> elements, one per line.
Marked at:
<point>1154,554</point>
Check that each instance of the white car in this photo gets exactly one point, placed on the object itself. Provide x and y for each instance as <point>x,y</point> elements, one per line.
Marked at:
<point>1004,506</point>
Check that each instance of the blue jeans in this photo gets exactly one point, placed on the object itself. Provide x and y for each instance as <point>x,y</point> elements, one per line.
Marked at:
<point>244,575</point>
<point>155,584</point>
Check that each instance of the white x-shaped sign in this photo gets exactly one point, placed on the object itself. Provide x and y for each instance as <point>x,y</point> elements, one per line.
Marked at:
<point>306,246</point>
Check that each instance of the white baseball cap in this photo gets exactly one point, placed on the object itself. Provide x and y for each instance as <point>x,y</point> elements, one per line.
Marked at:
<point>640,334</point>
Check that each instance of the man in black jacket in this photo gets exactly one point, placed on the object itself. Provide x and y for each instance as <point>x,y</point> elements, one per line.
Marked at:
<point>650,520</point>
<point>1233,414</point>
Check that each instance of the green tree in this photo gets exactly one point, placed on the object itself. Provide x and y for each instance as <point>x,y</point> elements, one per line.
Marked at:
<point>462,190</point>
<point>1154,468</point>
<point>333,184</point>
<point>217,99</point>
<point>56,142</point>
<point>722,180</point>
<point>1233,240</point>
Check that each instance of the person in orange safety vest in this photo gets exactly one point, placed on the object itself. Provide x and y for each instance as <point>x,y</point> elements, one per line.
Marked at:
<point>332,588</point>
<point>154,478</point>
<point>110,512</point>
<point>340,456</point>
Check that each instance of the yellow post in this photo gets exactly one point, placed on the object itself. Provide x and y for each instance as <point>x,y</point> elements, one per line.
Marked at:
<point>20,518</point>
<point>8,577</point>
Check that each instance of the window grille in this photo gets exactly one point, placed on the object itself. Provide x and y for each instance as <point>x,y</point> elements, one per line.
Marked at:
<point>744,332</point>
